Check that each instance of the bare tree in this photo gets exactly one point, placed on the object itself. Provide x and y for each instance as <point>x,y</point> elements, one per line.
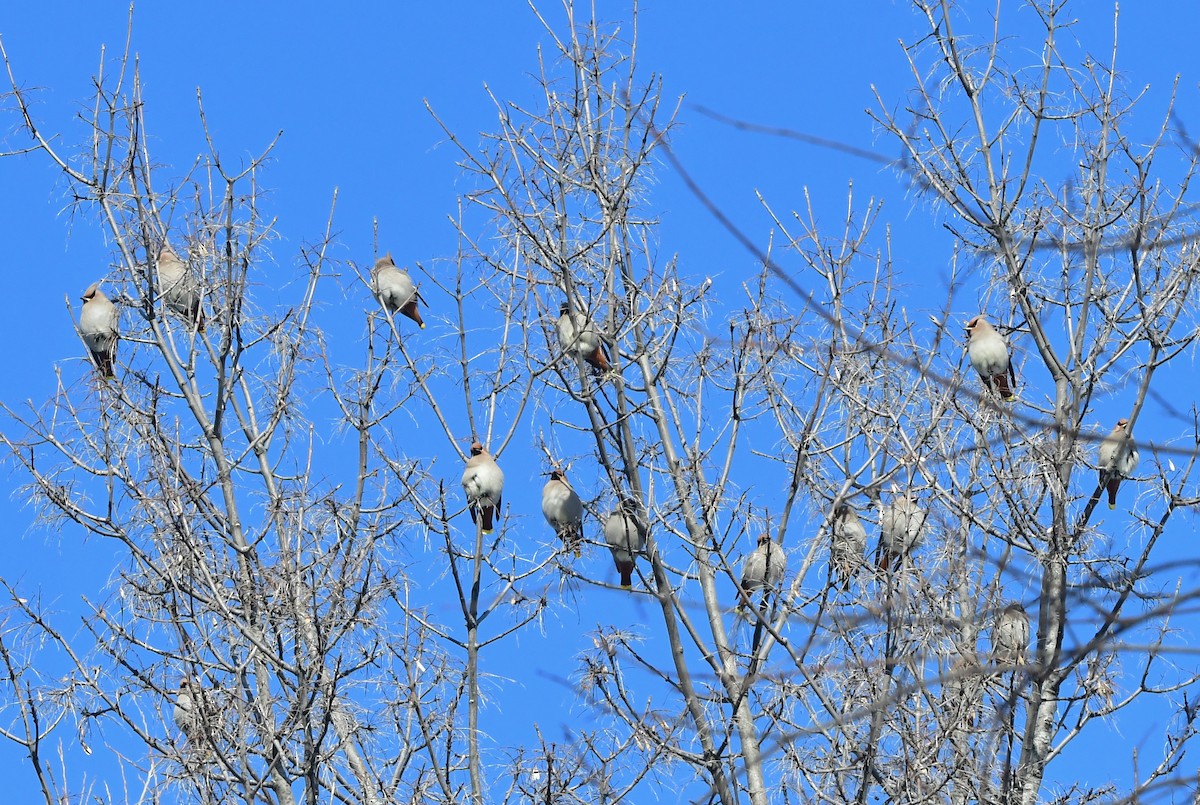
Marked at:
<point>262,641</point>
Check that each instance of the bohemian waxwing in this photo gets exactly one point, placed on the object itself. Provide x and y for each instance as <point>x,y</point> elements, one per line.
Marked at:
<point>626,538</point>
<point>849,544</point>
<point>763,568</point>
<point>1117,453</point>
<point>563,509</point>
<point>900,524</point>
<point>577,336</point>
<point>178,287</point>
<point>395,290</point>
<point>1010,635</point>
<point>483,481</point>
<point>98,326</point>
<point>191,713</point>
<point>989,356</point>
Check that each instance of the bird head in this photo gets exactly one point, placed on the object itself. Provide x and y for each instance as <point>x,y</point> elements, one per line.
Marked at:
<point>92,291</point>
<point>476,448</point>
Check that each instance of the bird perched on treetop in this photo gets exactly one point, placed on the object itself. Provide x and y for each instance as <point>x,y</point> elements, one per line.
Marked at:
<point>763,568</point>
<point>989,356</point>
<point>626,537</point>
<point>98,327</point>
<point>1010,635</point>
<point>849,544</point>
<point>178,287</point>
<point>1118,454</point>
<point>563,509</point>
<point>577,336</point>
<point>900,524</point>
<point>483,481</point>
<point>395,289</point>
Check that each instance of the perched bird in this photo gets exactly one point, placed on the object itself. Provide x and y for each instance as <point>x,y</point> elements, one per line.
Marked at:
<point>1010,635</point>
<point>763,568</point>
<point>191,713</point>
<point>625,534</point>
<point>900,524</point>
<point>849,544</point>
<point>98,326</point>
<point>395,290</point>
<point>578,336</point>
<point>483,481</point>
<point>563,509</point>
<point>989,356</point>
<point>962,690</point>
<point>178,287</point>
<point>1118,454</point>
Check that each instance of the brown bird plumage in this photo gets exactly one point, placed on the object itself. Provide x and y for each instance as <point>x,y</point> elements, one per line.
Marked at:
<point>578,336</point>
<point>1118,454</point>
<point>179,289</point>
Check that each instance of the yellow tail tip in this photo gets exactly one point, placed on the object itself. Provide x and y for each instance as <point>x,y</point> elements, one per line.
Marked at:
<point>422,325</point>
<point>626,586</point>
<point>487,530</point>
<point>1112,505</point>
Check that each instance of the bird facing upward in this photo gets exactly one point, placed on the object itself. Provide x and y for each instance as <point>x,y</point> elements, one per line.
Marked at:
<point>989,356</point>
<point>395,289</point>
<point>1118,454</point>
<point>98,326</point>
<point>483,481</point>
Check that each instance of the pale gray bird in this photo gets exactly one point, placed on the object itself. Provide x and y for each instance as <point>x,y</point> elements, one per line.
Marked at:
<point>395,289</point>
<point>577,336</point>
<point>98,326</point>
<point>989,356</point>
<point>1010,635</point>
<point>1119,454</point>
<point>849,544</point>
<point>563,509</point>
<point>483,481</point>
<point>178,287</point>
<point>763,568</point>
<point>626,537</point>
<point>900,524</point>
<point>191,713</point>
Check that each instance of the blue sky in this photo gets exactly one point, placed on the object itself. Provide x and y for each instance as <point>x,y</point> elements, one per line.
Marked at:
<point>346,86</point>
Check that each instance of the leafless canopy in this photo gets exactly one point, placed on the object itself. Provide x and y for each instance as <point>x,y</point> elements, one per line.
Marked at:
<point>329,604</point>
